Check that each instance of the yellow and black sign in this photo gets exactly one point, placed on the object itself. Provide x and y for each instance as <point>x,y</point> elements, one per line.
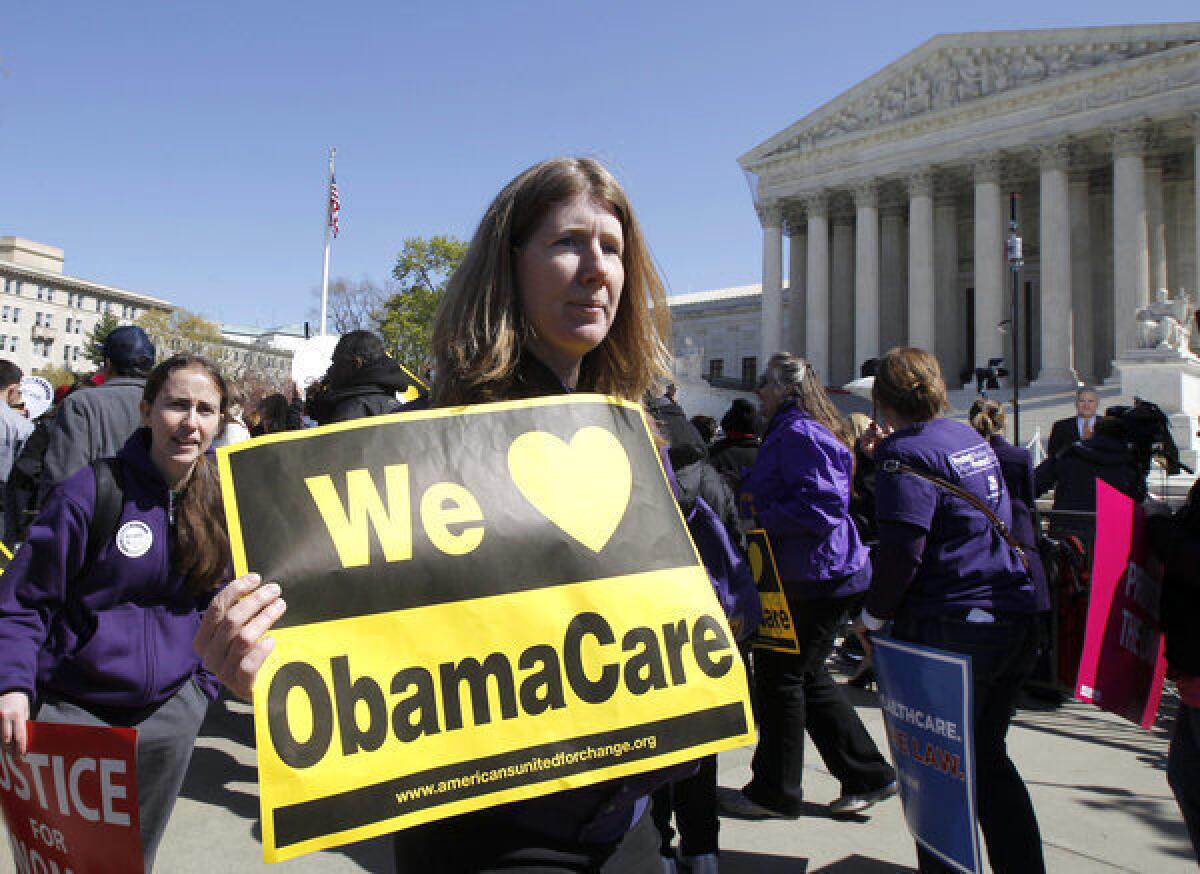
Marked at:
<point>5,557</point>
<point>485,604</point>
<point>777,631</point>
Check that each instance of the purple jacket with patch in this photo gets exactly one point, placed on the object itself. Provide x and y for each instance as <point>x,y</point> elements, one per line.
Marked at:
<point>800,488</point>
<point>122,635</point>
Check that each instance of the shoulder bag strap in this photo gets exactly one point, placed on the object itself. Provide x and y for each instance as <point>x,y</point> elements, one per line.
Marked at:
<point>106,513</point>
<point>893,466</point>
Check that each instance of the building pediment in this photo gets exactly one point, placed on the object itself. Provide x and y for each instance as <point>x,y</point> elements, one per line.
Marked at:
<point>950,70</point>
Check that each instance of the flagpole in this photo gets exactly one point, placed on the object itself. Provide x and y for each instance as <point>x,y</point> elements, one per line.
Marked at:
<point>325,266</point>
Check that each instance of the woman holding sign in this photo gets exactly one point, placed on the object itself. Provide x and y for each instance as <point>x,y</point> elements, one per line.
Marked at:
<point>950,578</point>
<point>799,491</point>
<point>557,293</point>
<point>96,626</point>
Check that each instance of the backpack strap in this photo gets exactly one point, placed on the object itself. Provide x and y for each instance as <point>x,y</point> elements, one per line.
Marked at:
<point>891,465</point>
<point>102,527</point>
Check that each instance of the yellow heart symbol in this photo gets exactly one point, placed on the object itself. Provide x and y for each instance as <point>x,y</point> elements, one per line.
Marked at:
<point>583,486</point>
<point>756,561</point>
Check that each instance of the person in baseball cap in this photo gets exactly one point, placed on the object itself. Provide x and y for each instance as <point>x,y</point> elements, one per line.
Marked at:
<point>128,352</point>
<point>96,423</point>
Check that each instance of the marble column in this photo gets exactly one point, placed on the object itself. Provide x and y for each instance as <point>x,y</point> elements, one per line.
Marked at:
<point>893,278</point>
<point>797,284</point>
<point>1131,244</point>
<point>990,271</point>
<point>816,324</point>
<point>841,297</point>
<point>1156,224</point>
<point>1057,352</point>
<point>920,260</point>
<point>950,330</point>
<point>1083,313</point>
<point>1196,193</point>
<point>771,216</point>
<point>866,273</point>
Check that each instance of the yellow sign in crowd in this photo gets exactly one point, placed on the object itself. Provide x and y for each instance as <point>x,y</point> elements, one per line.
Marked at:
<point>484,605</point>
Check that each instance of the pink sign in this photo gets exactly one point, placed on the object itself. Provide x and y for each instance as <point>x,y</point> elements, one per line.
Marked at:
<point>1123,664</point>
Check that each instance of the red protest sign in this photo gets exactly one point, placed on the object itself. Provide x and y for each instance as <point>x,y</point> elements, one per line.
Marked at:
<point>70,803</point>
<point>1123,665</point>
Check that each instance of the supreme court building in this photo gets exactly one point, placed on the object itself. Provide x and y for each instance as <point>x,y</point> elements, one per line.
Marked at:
<point>894,201</point>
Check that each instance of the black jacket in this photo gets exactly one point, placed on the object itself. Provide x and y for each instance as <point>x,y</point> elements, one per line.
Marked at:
<point>1176,540</point>
<point>1063,433</point>
<point>1074,472</point>
<point>369,391</point>
<point>732,456</point>
<point>1016,467</point>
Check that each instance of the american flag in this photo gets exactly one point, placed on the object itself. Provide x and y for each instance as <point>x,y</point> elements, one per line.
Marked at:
<point>335,205</point>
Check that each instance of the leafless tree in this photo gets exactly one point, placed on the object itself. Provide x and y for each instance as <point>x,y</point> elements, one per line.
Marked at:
<point>353,306</point>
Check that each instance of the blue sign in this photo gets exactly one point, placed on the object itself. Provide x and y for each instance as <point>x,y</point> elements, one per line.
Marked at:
<point>926,699</point>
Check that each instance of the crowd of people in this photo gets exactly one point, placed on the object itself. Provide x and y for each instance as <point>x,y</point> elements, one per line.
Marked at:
<point>118,607</point>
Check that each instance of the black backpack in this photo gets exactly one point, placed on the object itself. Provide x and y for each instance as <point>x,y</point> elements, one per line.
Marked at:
<point>102,527</point>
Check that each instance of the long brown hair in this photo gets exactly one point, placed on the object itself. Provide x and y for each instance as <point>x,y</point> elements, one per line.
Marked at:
<point>480,331</point>
<point>799,379</point>
<point>201,554</point>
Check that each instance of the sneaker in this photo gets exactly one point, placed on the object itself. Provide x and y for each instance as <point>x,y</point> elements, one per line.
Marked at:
<point>851,804</point>
<point>736,804</point>
<point>705,863</point>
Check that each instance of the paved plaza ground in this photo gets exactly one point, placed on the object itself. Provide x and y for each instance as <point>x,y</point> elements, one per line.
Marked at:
<point>1097,782</point>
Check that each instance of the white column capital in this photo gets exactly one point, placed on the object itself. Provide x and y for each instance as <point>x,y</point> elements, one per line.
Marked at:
<point>816,203</point>
<point>795,222</point>
<point>987,169</point>
<point>866,194</point>
<point>1129,140</point>
<point>1054,155</point>
<point>920,183</point>
<point>770,213</point>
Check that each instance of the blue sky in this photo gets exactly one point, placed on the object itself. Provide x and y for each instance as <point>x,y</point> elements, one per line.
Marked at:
<point>180,149</point>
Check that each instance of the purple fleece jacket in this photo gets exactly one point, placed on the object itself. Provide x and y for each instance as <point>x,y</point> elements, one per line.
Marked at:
<point>800,488</point>
<point>122,635</point>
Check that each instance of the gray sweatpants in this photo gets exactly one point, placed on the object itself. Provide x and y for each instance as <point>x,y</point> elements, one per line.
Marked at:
<point>166,733</point>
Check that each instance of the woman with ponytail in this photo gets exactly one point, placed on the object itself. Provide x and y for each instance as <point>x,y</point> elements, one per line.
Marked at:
<point>1016,464</point>
<point>101,633</point>
<point>948,576</point>
<point>799,492</point>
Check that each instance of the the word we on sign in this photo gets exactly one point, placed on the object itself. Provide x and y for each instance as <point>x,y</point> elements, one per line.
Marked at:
<point>485,604</point>
<point>70,803</point>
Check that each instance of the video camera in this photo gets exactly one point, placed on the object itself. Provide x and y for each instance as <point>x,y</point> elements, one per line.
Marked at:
<point>989,377</point>
<point>1149,435</point>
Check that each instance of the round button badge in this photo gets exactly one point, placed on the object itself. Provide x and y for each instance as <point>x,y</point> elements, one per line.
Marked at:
<point>134,539</point>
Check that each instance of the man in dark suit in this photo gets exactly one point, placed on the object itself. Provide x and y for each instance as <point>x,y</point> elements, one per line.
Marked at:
<point>1078,427</point>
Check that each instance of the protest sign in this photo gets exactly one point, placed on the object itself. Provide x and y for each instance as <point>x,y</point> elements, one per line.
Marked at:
<point>485,604</point>
<point>777,631</point>
<point>70,803</point>
<point>1123,662</point>
<point>926,698</point>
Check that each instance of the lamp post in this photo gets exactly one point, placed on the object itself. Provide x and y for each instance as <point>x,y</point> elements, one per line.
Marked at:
<point>1015,263</point>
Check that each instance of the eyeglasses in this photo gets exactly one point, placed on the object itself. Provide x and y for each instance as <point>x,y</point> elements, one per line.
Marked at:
<point>763,382</point>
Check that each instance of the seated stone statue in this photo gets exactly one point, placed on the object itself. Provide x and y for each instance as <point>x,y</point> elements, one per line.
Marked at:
<point>1163,324</point>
